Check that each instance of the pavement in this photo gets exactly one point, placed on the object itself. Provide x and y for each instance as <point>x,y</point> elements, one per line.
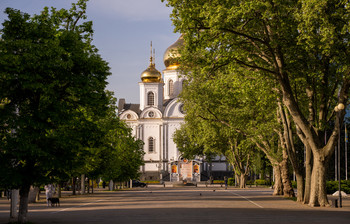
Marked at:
<point>180,205</point>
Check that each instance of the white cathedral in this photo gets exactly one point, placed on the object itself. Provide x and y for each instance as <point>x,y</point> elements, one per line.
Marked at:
<point>154,121</point>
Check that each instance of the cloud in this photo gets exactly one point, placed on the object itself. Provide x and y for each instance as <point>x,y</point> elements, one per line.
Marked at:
<point>133,10</point>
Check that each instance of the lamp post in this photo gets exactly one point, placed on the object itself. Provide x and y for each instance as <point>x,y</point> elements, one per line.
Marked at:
<point>338,109</point>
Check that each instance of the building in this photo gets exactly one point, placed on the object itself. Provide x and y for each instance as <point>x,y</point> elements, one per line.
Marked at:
<point>155,119</point>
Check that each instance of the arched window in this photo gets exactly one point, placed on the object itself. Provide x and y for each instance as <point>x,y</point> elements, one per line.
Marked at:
<point>150,145</point>
<point>150,99</point>
<point>171,87</point>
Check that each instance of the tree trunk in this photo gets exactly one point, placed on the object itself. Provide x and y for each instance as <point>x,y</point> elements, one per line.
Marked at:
<point>23,204</point>
<point>33,194</point>
<point>308,171</point>
<point>83,184</point>
<point>14,205</point>
<point>111,185</point>
<point>236,179</point>
<point>318,193</point>
<point>74,185</point>
<point>243,181</point>
<point>59,192</point>
<point>278,188</point>
<point>287,184</point>
<point>92,186</point>
<point>88,185</point>
<point>300,186</point>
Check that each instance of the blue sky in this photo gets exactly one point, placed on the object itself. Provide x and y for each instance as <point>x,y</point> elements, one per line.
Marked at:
<point>123,30</point>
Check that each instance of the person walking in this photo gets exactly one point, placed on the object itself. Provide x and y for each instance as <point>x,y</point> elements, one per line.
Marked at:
<point>225,181</point>
<point>49,191</point>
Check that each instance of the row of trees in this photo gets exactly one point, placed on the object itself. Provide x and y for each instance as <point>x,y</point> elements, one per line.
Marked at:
<point>57,121</point>
<point>267,75</point>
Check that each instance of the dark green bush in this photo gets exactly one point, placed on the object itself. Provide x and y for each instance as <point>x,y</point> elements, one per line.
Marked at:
<point>218,182</point>
<point>294,184</point>
<point>250,182</point>
<point>231,181</point>
<point>261,182</point>
<point>333,186</point>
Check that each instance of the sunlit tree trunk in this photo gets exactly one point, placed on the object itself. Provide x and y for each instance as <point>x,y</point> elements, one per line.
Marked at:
<point>82,184</point>
<point>287,184</point>
<point>243,180</point>
<point>308,170</point>
<point>277,187</point>
<point>318,193</point>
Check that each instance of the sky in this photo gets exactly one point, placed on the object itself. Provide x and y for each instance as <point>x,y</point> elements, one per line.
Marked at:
<point>123,30</point>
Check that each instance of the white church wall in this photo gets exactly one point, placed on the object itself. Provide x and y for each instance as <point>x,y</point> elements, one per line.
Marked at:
<point>172,149</point>
<point>177,81</point>
<point>173,110</point>
<point>156,88</point>
<point>151,167</point>
<point>152,130</point>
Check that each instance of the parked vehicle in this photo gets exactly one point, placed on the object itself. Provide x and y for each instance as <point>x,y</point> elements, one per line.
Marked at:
<point>136,183</point>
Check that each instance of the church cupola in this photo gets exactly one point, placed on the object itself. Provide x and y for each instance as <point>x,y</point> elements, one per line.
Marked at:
<point>151,87</point>
<point>173,80</point>
<point>151,74</point>
<point>172,53</point>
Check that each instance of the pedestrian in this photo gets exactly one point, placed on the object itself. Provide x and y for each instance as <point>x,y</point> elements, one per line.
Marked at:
<point>103,184</point>
<point>49,191</point>
<point>9,194</point>
<point>225,181</point>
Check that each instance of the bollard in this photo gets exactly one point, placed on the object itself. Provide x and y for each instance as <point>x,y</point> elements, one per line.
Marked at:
<point>334,203</point>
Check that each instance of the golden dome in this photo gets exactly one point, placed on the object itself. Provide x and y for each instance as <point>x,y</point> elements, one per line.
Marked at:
<point>151,74</point>
<point>172,53</point>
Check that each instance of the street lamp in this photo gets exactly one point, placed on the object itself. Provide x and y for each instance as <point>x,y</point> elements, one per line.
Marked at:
<point>339,108</point>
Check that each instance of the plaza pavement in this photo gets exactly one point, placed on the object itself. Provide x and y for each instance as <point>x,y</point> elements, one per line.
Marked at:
<point>180,205</point>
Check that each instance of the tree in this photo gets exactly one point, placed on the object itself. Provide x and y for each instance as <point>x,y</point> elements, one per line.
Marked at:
<point>301,45</point>
<point>121,154</point>
<point>48,69</point>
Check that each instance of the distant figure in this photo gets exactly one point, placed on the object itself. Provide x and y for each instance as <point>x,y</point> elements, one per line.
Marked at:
<point>225,181</point>
<point>104,185</point>
<point>9,194</point>
<point>49,191</point>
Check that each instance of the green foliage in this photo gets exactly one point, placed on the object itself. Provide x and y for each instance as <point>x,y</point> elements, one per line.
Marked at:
<point>54,81</point>
<point>261,182</point>
<point>151,181</point>
<point>218,182</point>
<point>231,181</point>
<point>121,154</point>
<point>333,186</point>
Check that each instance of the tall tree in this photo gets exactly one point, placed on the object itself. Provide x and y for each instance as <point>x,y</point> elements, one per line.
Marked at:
<point>121,154</point>
<point>301,45</point>
<point>48,69</point>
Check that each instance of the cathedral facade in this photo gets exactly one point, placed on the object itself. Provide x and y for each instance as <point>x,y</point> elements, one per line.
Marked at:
<point>154,121</point>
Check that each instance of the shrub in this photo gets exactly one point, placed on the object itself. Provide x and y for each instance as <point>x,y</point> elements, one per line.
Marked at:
<point>231,181</point>
<point>333,186</point>
<point>218,182</point>
<point>151,181</point>
<point>250,182</point>
<point>261,182</point>
<point>294,184</point>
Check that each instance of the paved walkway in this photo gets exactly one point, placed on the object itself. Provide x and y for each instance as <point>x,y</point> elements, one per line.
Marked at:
<point>180,205</point>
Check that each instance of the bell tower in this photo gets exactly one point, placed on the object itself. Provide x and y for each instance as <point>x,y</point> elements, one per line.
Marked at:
<point>151,87</point>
